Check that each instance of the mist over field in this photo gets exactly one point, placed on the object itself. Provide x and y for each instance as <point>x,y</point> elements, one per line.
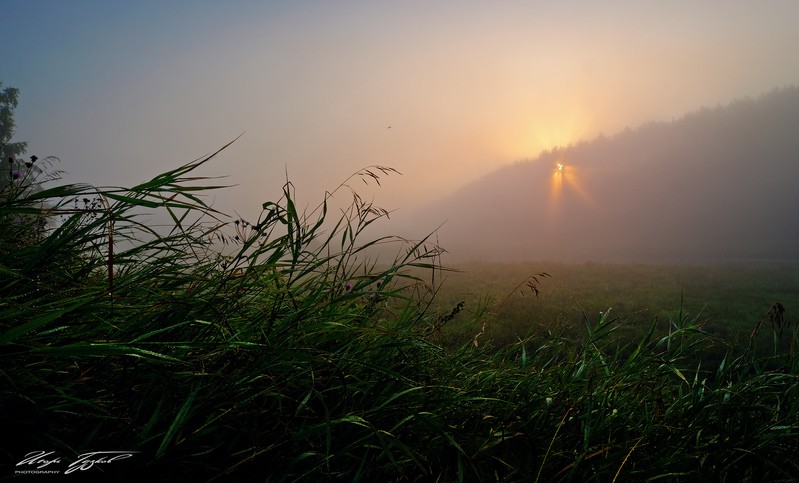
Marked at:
<point>718,184</point>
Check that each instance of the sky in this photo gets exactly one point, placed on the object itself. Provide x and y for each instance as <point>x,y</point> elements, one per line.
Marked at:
<point>442,91</point>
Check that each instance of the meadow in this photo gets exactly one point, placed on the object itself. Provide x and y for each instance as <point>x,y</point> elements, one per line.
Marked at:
<point>275,349</point>
<point>527,299</point>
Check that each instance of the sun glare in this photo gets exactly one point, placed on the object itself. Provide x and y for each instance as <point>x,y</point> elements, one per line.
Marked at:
<point>556,184</point>
<point>566,178</point>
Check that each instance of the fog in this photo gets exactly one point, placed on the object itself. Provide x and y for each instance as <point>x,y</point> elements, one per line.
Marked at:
<point>719,184</point>
<point>444,92</point>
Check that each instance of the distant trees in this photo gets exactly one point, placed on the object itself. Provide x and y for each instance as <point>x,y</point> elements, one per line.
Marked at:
<point>8,150</point>
<point>19,176</point>
<point>717,183</point>
<point>8,102</point>
<point>24,218</point>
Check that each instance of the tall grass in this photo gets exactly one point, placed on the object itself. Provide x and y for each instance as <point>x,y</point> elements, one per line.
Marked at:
<point>278,349</point>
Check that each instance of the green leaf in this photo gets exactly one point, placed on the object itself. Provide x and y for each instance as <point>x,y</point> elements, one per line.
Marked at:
<point>15,333</point>
<point>94,349</point>
<point>680,375</point>
<point>178,422</point>
<point>132,201</point>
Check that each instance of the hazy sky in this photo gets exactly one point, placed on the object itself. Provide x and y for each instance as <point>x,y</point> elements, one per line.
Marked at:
<point>121,90</point>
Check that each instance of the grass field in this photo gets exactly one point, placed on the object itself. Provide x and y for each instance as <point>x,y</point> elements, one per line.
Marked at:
<point>728,300</point>
<point>293,357</point>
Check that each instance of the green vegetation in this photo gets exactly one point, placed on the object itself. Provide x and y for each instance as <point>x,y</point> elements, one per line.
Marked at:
<point>292,357</point>
<point>277,350</point>
<point>727,301</point>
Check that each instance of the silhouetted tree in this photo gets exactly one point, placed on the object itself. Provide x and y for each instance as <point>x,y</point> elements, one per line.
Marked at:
<point>20,178</point>
<point>8,150</point>
<point>8,102</point>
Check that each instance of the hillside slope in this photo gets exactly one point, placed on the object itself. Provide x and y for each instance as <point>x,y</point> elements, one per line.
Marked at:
<point>717,184</point>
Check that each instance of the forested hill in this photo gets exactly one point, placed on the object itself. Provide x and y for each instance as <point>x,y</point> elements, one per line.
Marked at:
<point>717,184</point>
